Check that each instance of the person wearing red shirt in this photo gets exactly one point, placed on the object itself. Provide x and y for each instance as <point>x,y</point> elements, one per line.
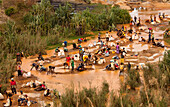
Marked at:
<point>13,86</point>
<point>68,61</point>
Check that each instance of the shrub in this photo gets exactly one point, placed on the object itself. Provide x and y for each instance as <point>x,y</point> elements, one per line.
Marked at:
<point>10,11</point>
<point>119,16</point>
<point>4,88</point>
<point>20,6</point>
<point>133,79</point>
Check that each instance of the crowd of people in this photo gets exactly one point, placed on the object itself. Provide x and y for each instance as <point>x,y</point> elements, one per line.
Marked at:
<point>84,58</point>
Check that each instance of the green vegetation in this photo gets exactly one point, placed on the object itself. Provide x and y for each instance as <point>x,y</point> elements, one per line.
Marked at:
<point>86,97</point>
<point>10,11</point>
<point>133,79</point>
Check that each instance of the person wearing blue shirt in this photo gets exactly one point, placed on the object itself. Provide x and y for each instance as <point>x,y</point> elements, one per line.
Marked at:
<point>65,43</point>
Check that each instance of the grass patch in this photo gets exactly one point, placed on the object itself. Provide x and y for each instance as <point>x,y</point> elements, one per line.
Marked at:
<point>50,47</point>
<point>97,32</point>
<point>77,37</point>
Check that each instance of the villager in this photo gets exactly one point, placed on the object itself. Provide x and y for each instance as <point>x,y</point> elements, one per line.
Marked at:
<point>151,18</point>
<point>108,67</point>
<point>47,92</point>
<point>8,103</point>
<point>19,70</point>
<point>34,65</point>
<point>21,98</point>
<point>89,56</point>
<point>129,66</point>
<point>117,48</point>
<point>143,39</point>
<point>152,38</point>
<point>139,20</point>
<point>51,69</point>
<point>121,69</point>
<point>42,68</point>
<point>99,36</point>
<point>18,56</point>
<point>72,63</point>
<point>85,40</point>
<point>57,50</point>
<point>68,61</point>
<point>154,18</point>
<point>13,86</point>
<point>40,57</point>
<point>121,58</point>
<point>80,67</point>
<point>149,39</point>
<point>163,15</point>
<point>41,87</point>
<point>137,67</point>
<point>107,36</point>
<point>74,46</point>
<point>135,19</point>
<point>65,43</point>
<point>95,59</point>
<point>159,14</point>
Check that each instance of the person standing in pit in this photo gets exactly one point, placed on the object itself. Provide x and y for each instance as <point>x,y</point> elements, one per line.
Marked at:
<point>154,18</point>
<point>151,18</point>
<point>149,39</point>
<point>121,69</point>
<point>135,19</point>
<point>107,36</point>
<point>163,15</point>
<point>72,64</point>
<point>13,86</point>
<point>68,61</point>
<point>129,66</point>
<point>139,20</point>
<point>159,15</point>
<point>65,43</point>
<point>152,38</point>
<point>19,70</point>
<point>117,48</point>
<point>121,58</point>
<point>99,37</point>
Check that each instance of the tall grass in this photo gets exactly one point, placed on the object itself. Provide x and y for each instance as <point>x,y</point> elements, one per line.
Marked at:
<point>13,42</point>
<point>86,97</point>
